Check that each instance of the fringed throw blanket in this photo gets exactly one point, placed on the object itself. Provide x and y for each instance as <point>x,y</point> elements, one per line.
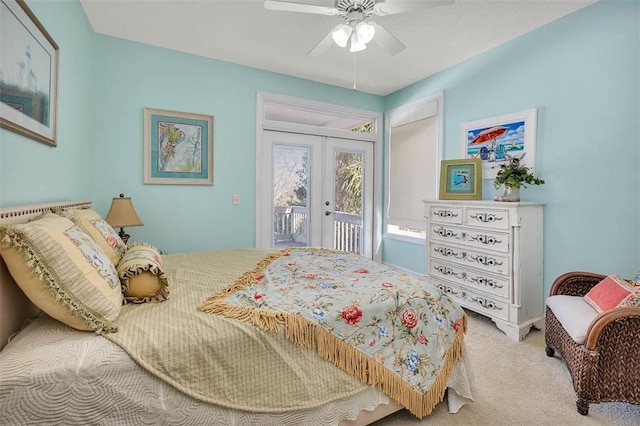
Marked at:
<point>387,328</point>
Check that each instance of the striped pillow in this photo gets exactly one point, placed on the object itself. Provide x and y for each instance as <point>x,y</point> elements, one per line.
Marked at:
<point>63,271</point>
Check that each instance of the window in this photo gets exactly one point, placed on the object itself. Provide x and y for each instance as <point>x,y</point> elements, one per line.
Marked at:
<point>414,151</point>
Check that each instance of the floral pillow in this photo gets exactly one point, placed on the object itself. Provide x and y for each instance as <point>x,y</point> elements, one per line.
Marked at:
<point>94,225</point>
<point>613,292</point>
<point>63,271</point>
<point>142,275</point>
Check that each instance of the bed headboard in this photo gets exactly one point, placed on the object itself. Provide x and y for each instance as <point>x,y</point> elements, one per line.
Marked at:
<point>15,307</point>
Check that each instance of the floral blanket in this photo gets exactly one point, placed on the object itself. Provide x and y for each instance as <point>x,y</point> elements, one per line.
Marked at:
<point>391,330</point>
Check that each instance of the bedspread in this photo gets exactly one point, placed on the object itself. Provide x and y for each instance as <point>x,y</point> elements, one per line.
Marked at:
<point>387,328</point>
<point>219,360</point>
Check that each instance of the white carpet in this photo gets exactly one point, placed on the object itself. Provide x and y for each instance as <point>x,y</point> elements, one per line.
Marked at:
<point>517,384</point>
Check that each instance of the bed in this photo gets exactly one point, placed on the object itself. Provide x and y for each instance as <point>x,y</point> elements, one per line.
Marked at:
<point>55,374</point>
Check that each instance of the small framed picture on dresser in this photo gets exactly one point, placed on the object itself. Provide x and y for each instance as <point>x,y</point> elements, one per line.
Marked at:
<point>461,179</point>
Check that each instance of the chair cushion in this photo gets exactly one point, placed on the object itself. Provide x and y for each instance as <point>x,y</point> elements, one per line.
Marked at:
<point>611,293</point>
<point>574,313</point>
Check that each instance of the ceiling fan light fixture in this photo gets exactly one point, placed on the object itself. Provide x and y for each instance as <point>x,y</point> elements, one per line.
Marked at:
<point>365,32</point>
<point>341,35</point>
<point>357,45</point>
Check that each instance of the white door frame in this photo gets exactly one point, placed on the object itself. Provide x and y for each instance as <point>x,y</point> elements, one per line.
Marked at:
<point>321,188</point>
<point>262,124</point>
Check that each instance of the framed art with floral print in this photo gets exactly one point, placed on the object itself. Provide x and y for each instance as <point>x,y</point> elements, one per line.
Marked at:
<point>28,74</point>
<point>495,140</point>
<point>178,148</point>
<point>461,179</point>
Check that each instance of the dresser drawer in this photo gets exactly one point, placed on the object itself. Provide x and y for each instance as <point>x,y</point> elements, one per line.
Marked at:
<point>487,218</point>
<point>469,277</point>
<point>476,238</point>
<point>487,261</point>
<point>486,305</point>
<point>445,214</point>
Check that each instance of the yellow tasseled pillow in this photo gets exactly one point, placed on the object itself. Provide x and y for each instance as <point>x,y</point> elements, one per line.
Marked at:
<point>94,225</point>
<point>63,271</point>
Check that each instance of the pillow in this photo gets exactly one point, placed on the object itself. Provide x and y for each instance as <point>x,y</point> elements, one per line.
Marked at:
<point>142,275</point>
<point>636,280</point>
<point>63,271</point>
<point>611,293</point>
<point>94,225</point>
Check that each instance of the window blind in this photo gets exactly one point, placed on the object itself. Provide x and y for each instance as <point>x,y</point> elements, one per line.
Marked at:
<point>413,162</point>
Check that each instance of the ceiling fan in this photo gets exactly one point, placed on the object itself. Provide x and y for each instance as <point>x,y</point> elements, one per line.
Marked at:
<point>358,29</point>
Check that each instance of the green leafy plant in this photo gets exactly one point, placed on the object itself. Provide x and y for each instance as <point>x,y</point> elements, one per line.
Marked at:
<point>514,175</point>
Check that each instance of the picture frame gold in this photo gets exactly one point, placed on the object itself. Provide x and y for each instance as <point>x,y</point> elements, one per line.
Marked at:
<point>461,179</point>
<point>28,74</point>
<point>178,148</point>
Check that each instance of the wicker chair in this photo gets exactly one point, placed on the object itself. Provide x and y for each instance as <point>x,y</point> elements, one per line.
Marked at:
<point>604,368</point>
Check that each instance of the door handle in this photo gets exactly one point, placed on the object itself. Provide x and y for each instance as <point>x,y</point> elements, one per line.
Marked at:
<point>327,213</point>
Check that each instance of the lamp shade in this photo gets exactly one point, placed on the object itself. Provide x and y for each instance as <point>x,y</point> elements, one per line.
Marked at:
<point>122,214</point>
<point>341,35</point>
<point>356,44</point>
<point>365,32</point>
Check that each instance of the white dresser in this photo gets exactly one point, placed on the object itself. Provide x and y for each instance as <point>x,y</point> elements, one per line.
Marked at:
<point>488,257</point>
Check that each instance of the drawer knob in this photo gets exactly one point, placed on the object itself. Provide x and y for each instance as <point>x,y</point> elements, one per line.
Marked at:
<point>486,239</point>
<point>486,282</point>
<point>486,303</point>
<point>446,233</point>
<point>486,260</point>
<point>445,214</point>
<point>485,217</point>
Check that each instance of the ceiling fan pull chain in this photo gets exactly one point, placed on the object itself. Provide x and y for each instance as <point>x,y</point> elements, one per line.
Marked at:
<point>354,71</point>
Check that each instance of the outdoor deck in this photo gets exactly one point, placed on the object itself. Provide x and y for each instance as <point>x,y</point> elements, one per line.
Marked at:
<point>291,229</point>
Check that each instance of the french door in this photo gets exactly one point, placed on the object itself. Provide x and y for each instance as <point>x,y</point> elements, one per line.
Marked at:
<point>317,191</point>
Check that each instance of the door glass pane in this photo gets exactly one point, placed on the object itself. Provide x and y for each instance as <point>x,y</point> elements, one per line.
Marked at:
<point>291,173</point>
<point>347,226</point>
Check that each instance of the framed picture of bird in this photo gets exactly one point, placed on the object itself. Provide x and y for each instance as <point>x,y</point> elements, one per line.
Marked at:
<point>495,140</point>
<point>178,148</point>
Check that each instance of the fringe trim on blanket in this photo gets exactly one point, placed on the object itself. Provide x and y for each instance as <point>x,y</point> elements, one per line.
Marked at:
<point>307,334</point>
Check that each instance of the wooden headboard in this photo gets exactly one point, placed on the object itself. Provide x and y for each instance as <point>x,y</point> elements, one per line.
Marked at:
<point>15,307</point>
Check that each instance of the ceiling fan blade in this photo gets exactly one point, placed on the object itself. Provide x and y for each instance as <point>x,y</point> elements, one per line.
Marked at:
<point>386,40</point>
<point>285,6</point>
<point>323,44</point>
<point>383,8</point>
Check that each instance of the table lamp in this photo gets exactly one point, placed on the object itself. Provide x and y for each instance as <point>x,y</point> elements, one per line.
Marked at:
<point>121,214</point>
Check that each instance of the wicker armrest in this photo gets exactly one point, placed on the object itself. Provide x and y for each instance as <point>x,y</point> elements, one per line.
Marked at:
<point>577,283</point>
<point>612,323</point>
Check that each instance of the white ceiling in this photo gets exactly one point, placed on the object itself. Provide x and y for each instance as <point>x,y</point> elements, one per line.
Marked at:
<point>243,32</point>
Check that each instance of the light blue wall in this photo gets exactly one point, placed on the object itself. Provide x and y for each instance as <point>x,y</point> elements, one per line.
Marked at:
<point>131,76</point>
<point>105,83</point>
<point>581,73</point>
<point>32,171</point>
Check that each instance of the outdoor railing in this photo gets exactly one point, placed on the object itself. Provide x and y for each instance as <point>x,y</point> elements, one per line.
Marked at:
<point>290,226</point>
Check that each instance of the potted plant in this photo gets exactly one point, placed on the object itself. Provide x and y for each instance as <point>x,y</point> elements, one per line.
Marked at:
<point>512,176</point>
